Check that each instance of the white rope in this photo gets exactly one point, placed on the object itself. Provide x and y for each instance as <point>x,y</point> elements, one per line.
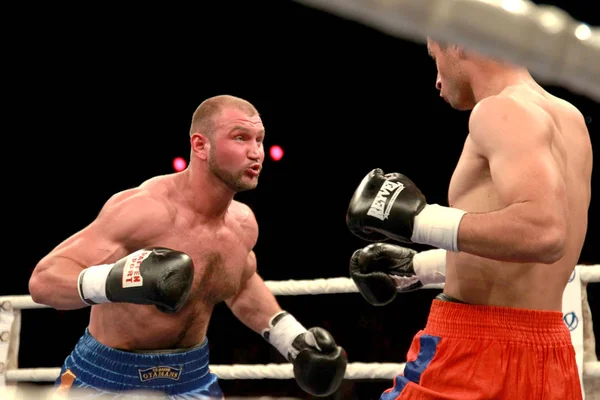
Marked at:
<point>590,273</point>
<point>19,302</point>
<point>546,39</point>
<point>319,286</point>
<point>355,371</point>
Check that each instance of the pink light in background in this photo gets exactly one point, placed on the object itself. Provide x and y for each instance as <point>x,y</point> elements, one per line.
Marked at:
<point>276,152</point>
<point>179,164</point>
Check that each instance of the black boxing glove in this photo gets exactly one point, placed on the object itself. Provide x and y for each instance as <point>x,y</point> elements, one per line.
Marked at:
<point>392,206</point>
<point>319,364</point>
<point>156,276</point>
<point>381,270</point>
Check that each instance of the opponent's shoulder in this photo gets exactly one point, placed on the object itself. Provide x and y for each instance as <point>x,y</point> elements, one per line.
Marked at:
<point>507,109</point>
<point>568,110</point>
<point>507,118</point>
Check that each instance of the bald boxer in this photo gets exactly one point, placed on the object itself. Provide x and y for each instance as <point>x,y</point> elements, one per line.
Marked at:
<point>160,256</point>
<point>505,246</point>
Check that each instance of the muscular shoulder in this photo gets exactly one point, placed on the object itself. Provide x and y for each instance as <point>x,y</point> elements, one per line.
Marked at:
<point>244,216</point>
<point>136,212</point>
<point>133,203</point>
<point>502,120</point>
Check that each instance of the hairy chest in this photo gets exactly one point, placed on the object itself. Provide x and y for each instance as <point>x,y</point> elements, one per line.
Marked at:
<point>220,256</point>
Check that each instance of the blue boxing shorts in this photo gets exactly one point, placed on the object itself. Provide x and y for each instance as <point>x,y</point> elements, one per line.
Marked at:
<point>93,370</point>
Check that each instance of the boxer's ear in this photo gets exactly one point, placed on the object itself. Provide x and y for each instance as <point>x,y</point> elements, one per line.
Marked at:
<point>200,145</point>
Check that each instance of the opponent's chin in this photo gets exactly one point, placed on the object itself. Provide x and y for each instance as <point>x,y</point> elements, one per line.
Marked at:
<point>460,105</point>
<point>460,101</point>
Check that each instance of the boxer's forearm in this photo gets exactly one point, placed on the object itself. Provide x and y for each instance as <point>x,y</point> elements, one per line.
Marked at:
<point>254,304</point>
<point>54,283</point>
<point>522,232</point>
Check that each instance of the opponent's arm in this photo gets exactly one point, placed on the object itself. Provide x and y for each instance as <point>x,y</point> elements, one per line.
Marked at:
<point>382,270</point>
<point>518,146</point>
<point>319,364</point>
<point>128,220</point>
<point>530,229</point>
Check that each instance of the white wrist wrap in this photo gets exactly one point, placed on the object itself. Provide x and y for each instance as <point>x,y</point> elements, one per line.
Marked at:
<point>430,266</point>
<point>92,284</point>
<point>284,332</point>
<point>437,226</point>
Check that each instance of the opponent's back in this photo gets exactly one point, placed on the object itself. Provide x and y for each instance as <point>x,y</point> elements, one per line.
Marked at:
<point>475,188</point>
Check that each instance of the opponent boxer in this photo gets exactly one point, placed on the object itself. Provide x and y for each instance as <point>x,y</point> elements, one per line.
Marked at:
<point>507,243</point>
<point>160,256</point>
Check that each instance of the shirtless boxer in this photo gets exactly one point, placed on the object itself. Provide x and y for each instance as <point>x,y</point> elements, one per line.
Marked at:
<point>160,256</point>
<point>506,245</point>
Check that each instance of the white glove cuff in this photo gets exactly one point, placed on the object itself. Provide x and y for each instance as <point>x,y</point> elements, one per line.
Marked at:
<point>91,284</point>
<point>284,332</point>
<point>430,266</point>
<point>438,226</point>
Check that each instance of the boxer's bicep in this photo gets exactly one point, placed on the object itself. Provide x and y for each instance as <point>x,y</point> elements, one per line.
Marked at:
<point>126,222</point>
<point>517,142</point>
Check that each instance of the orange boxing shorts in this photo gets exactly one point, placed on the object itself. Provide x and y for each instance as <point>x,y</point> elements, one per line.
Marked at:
<point>479,352</point>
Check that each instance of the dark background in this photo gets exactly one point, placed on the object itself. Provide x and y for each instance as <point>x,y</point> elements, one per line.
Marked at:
<point>99,98</point>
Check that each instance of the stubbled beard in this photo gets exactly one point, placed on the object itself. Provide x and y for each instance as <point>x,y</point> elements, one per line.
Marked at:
<point>234,182</point>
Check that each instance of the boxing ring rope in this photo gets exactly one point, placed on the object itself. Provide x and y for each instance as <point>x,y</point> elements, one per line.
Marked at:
<point>12,305</point>
<point>355,371</point>
<point>547,40</point>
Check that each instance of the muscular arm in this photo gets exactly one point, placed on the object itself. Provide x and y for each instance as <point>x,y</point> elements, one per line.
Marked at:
<point>517,142</point>
<point>126,222</point>
<point>254,304</point>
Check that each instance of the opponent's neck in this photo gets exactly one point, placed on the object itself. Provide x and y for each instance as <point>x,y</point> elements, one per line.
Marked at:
<point>492,80</point>
<point>204,193</point>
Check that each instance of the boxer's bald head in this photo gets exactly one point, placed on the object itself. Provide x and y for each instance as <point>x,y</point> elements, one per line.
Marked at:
<point>203,120</point>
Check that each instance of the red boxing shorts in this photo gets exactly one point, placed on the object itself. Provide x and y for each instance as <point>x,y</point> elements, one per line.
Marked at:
<point>489,352</point>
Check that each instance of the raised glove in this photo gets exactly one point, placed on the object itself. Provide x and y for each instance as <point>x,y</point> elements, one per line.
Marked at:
<point>392,206</point>
<point>158,276</point>
<point>319,363</point>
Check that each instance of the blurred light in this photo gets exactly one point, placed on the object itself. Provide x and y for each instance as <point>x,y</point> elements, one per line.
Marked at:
<point>583,32</point>
<point>515,6</point>
<point>276,153</point>
<point>179,164</point>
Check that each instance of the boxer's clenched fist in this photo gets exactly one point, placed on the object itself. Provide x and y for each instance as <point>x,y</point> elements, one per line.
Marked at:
<point>319,363</point>
<point>158,276</point>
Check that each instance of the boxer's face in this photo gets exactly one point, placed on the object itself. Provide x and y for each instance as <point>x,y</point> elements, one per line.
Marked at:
<point>236,149</point>
<point>452,80</point>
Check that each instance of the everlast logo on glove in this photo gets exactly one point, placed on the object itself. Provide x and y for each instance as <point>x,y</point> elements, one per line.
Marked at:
<point>378,208</point>
<point>384,206</point>
<point>131,270</point>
